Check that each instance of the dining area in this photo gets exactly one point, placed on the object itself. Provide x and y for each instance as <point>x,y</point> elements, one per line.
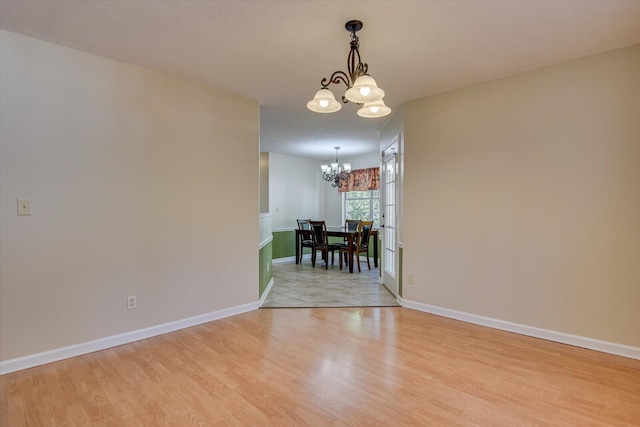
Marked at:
<point>333,266</point>
<point>356,237</point>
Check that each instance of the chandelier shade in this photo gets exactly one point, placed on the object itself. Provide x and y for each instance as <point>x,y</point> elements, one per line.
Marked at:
<point>364,90</point>
<point>324,102</point>
<point>374,109</point>
<point>361,87</point>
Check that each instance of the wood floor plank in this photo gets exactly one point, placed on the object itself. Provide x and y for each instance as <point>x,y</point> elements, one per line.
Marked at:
<point>329,366</point>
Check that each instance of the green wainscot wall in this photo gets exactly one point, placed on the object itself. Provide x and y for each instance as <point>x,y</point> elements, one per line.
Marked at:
<point>264,265</point>
<point>284,244</point>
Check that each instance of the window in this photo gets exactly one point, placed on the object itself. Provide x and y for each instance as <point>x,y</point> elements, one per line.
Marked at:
<point>363,205</point>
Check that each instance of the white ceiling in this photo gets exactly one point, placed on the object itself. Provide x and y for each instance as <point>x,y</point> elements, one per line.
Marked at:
<point>278,51</point>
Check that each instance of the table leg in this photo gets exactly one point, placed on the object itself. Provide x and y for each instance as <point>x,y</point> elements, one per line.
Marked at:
<point>375,250</point>
<point>350,241</point>
<point>298,237</point>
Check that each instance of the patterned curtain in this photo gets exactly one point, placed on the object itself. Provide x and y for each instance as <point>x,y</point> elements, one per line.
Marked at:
<point>360,180</point>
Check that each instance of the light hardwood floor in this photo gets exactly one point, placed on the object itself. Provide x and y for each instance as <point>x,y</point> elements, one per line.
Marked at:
<point>329,366</point>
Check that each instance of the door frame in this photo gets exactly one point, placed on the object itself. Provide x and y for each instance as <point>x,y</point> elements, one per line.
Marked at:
<point>390,281</point>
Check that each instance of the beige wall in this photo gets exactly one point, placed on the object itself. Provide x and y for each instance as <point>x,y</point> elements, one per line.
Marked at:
<point>264,182</point>
<point>522,198</point>
<point>141,184</point>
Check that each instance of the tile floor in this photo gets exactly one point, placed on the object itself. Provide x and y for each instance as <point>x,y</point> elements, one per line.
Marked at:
<point>301,285</point>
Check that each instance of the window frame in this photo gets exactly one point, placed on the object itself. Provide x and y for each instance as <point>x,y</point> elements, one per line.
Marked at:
<point>373,195</point>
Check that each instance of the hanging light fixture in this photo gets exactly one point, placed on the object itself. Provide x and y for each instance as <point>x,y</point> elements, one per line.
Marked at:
<point>361,87</point>
<point>334,172</point>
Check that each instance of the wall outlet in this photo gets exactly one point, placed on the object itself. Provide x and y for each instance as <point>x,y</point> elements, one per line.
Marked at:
<point>24,207</point>
<point>131,302</point>
<point>268,266</point>
<point>410,279</point>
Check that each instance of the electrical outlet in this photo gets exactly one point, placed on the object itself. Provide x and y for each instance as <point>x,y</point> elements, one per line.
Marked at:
<point>268,266</point>
<point>24,207</point>
<point>410,279</point>
<point>131,302</point>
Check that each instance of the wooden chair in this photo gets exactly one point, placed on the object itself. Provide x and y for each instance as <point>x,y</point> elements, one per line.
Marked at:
<point>306,239</point>
<point>361,244</point>
<point>321,243</point>
<point>350,225</point>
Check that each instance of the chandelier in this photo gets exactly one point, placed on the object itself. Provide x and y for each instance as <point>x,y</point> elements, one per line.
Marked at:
<point>361,87</point>
<point>334,172</point>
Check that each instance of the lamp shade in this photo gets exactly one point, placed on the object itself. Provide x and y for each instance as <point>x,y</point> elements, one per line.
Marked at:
<point>374,109</point>
<point>364,90</point>
<point>324,102</point>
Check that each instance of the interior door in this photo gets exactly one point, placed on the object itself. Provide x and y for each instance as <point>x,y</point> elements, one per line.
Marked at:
<point>389,225</point>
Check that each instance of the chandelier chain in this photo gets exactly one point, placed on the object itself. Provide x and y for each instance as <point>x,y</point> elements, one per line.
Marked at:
<point>355,66</point>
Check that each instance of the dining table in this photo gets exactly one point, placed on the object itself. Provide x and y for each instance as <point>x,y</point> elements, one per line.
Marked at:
<point>343,233</point>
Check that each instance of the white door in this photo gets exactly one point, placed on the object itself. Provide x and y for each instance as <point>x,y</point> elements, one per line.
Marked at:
<point>389,223</point>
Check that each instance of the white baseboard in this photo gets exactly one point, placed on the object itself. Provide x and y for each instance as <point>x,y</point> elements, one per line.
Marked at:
<point>561,337</point>
<point>17,364</point>
<point>265,293</point>
<point>285,259</point>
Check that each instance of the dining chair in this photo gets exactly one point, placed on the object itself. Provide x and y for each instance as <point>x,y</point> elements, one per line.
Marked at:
<point>360,244</point>
<point>306,239</point>
<point>351,225</point>
<point>321,243</point>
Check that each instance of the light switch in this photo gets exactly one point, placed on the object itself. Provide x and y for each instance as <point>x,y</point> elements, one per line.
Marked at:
<point>24,207</point>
